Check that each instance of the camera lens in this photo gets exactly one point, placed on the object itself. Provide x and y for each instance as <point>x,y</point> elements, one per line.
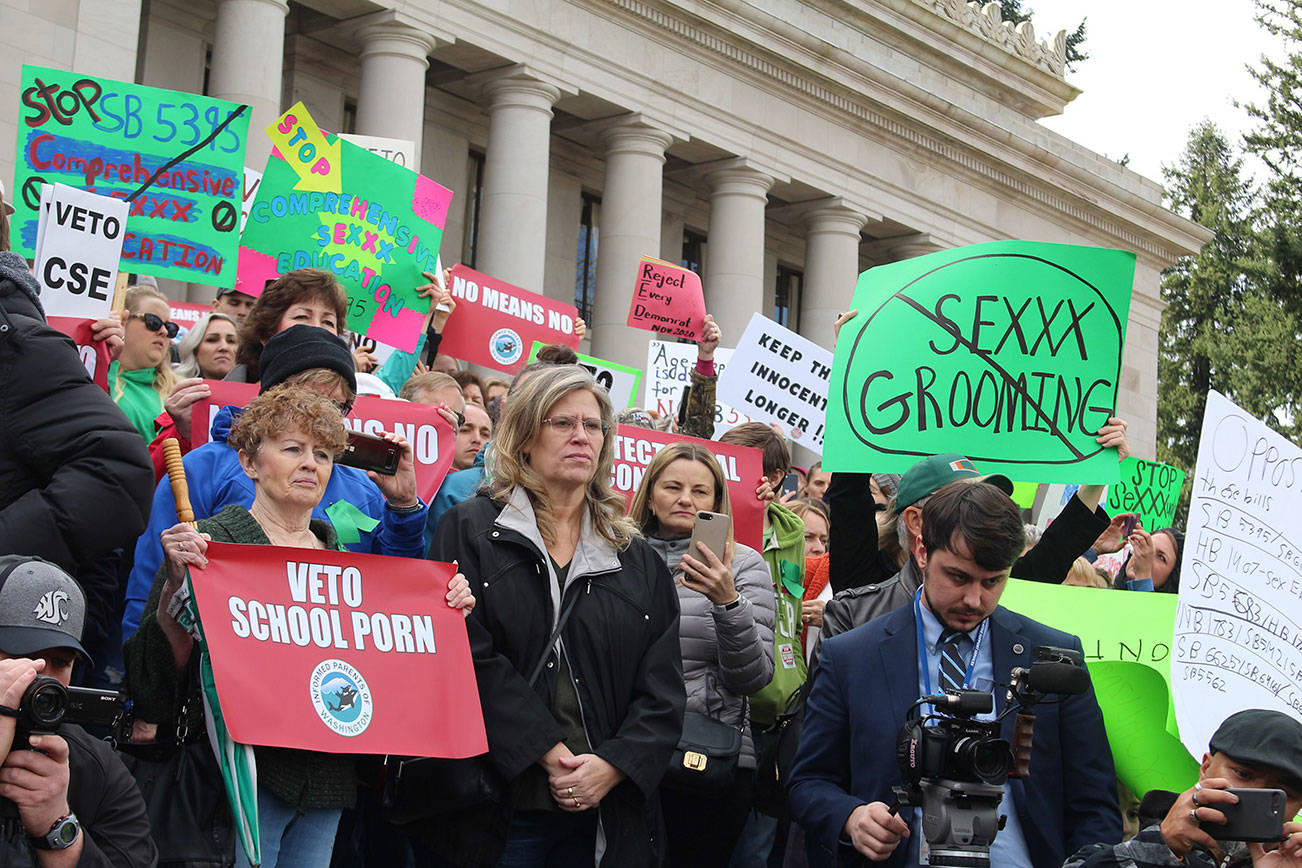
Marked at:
<point>45,702</point>
<point>989,758</point>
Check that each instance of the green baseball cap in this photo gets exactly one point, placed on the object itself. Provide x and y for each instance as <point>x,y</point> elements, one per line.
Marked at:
<point>932,474</point>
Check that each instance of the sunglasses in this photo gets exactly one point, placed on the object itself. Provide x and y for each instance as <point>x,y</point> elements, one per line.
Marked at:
<point>154,323</point>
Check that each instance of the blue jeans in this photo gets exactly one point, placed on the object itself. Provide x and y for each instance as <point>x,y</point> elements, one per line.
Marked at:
<point>290,839</point>
<point>550,839</point>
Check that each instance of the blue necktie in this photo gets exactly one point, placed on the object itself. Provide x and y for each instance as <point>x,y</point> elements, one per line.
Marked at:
<point>953,669</point>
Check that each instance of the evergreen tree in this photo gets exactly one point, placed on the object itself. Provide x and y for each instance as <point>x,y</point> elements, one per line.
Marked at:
<point>1012,11</point>
<point>1222,329</point>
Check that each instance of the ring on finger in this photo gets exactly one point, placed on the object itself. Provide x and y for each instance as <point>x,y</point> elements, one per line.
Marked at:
<point>578,804</point>
<point>1197,804</point>
<point>1193,815</point>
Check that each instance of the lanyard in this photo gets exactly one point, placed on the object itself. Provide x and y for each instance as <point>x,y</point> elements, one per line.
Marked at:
<point>924,664</point>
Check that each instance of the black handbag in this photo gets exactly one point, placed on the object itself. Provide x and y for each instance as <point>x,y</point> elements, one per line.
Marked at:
<point>417,788</point>
<point>189,816</point>
<point>705,759</point>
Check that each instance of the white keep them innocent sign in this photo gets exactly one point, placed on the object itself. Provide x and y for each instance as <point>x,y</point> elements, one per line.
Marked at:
<point>669,367</point>
<point>778,376</point>
<point>1238,626</point>
<point>78,245</point>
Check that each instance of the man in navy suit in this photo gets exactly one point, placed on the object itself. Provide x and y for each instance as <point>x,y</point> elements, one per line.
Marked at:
<point>953,635</point>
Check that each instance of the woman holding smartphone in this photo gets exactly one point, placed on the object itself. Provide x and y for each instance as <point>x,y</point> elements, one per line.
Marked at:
<point>726,635</point>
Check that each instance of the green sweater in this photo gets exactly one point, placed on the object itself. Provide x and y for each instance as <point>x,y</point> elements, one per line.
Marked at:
<point>137,399</point>
<point>302,779</point>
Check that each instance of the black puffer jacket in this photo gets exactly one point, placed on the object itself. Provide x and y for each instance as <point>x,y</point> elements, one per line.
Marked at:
<point>75,477</point>
<point>621,641</point>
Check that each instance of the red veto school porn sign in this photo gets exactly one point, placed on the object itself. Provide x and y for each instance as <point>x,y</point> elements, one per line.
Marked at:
<point>430,435</point>
<point>742,466</point>
<point>338,652</point>
<point>495,323</point>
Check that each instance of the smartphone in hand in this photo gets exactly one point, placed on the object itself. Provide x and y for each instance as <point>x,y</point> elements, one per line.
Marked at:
<point>711,528</point>
<point>1257,816</point>
<point>368,452</point>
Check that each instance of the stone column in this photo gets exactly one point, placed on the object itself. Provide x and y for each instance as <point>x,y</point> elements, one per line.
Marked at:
<point>391,99</point>
<point>248,53</point>
<point>734,272</point>
<point>513,219</point>
<point>831,269</point>
<point>908,246</point>
<point>631,213</point>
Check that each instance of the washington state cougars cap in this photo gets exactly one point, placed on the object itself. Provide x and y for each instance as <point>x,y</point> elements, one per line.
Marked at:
<point>40,607</point>
<point>932,474</point>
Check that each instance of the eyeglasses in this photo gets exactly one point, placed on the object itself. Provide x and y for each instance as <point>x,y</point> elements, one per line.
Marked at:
<point>154,322</point>
<point>565,425</point>
<point>345,407</point>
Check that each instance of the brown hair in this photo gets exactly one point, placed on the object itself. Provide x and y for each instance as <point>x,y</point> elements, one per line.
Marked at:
<point>557,354</point>
<point>281,294</point>
<point>289,407</point>
<point>322,381</point>
<point>468,378</point>
<point>640,510</point>
<point>164,377</point>
<point>522,422</point>
<point>777,457</point>
<point>981,515</point>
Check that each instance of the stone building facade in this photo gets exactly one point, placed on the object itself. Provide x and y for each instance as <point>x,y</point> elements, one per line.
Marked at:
<point>781,145</point>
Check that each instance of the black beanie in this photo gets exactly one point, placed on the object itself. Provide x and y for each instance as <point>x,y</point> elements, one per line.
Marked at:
<point>302,348</point>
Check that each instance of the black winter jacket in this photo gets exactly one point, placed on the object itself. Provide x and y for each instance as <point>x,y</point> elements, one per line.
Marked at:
<point>76,481</point>
<point>103,795</point>
<point>621,642</point>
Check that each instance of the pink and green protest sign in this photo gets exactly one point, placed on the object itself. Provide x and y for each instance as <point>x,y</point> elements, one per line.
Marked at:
<point>327,203</point>
<point>667,299</point>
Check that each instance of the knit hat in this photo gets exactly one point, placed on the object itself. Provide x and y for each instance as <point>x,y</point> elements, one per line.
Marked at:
<point>302,348</point>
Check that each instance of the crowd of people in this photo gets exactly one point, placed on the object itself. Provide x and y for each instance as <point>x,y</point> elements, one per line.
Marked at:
<point>647,698</point>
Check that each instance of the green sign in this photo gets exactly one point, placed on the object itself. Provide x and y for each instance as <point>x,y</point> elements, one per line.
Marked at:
<point>1009,352</point>
<point>327,203</point>
<point>620,381</point>
<point>1148,488</point>
<point>1127,643</point>
<point>177,157</point>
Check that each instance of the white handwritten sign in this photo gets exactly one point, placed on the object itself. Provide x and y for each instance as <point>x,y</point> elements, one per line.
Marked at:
<point>77,263</point>
<point>778,376</point>
<point>669,368</point>
<point>399,151</point>
<point>1238,628</point>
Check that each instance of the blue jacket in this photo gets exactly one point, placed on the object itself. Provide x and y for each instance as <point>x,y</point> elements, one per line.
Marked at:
<point>456,487</point>
<point>866,680</point>
<point>216,480</point>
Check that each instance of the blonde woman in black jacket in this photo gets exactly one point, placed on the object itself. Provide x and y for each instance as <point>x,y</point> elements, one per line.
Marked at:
<point>584,746</point>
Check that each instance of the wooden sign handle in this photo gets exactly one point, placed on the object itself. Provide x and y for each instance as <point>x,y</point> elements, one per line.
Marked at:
<point>120,291</point>
<point>176,475</point>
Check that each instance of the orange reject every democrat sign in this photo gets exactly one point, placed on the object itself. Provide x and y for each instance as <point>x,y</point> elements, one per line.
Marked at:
<point>338,652</point>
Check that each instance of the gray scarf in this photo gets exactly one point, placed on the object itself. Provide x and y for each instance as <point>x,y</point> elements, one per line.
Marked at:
<point>14,268</point>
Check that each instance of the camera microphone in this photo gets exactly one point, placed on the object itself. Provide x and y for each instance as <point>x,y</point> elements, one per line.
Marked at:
<point>964,702</point>
<point>1046,676</point>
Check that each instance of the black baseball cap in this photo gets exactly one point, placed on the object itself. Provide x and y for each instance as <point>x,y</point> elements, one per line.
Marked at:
<point>1267,739</point>
<point>40,607</point>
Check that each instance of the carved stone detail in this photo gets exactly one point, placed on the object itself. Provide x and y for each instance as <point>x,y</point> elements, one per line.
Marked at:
<point>989,22</point>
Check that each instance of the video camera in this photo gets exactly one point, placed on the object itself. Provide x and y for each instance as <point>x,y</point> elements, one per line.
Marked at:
<point>955,766</point>
<point>47,704</point>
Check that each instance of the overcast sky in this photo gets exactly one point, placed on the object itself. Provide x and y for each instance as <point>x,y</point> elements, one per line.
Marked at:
<point>1156,68</point>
